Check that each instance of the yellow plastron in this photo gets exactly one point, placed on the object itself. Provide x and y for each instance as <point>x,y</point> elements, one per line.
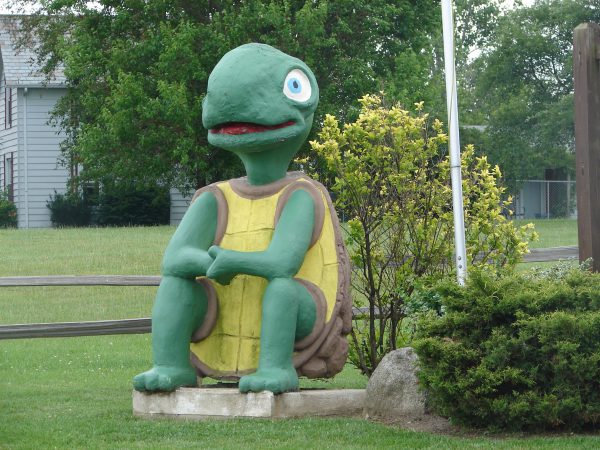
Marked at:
<point>232,348</point>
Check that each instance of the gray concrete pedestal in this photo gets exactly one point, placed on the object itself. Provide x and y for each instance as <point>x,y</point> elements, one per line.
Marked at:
<point>203,403</point>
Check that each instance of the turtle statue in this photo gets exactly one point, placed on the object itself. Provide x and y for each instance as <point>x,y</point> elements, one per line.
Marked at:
<point>255,281</point>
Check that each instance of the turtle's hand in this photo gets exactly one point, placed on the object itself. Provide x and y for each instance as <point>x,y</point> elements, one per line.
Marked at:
<point>221,270</point>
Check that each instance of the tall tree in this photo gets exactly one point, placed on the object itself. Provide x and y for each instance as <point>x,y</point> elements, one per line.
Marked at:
<point>419,75</point>
<point>137,70</point>
<point>523,82</point>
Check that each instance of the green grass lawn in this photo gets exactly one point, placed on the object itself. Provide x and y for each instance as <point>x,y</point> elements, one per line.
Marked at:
<point>83,251</point>
<point>76,392</point>
<point>553,232</point>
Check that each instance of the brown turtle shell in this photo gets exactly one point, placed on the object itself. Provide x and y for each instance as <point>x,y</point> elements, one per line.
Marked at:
<point>323,353</point>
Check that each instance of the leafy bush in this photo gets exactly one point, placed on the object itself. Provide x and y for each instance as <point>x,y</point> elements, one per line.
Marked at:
<point>8,211</point>
<point>69,210</point>
<point>120,204</point>
<point>515,353</point>
<point>391,177</point>
<point>557,270</point>
<point>126,204</point>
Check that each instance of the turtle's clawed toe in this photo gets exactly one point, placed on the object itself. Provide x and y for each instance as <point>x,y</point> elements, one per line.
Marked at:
<point>165,378</point>
<point>276,380</point>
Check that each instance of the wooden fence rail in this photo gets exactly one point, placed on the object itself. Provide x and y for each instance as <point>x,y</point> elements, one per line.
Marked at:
<point>82,280</point>
<point>144,325</point>
<point>71,329</point>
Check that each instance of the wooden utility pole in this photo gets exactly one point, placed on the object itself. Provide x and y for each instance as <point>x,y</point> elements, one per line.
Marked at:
<point>586,71</point>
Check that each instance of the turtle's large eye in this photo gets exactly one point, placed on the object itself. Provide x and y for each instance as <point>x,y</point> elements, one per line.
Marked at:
<point>297,86</point>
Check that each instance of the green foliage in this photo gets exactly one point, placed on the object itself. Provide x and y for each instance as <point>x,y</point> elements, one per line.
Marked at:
<point>69,210</point>
<point>392,180</point>
<point>558,270</point>
<point>523,85</point>
<point>137,71</point>
<point>519,352</point>
<point>8,211</point>
<point>126,204</point>
<point>119,204</point>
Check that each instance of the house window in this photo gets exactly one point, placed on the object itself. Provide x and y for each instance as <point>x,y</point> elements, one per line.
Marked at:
<point>8,106</point>
<point>74,168</point>
<point>9,176</point>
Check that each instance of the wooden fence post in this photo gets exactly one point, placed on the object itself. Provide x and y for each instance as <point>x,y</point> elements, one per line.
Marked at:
<point>586,71</point>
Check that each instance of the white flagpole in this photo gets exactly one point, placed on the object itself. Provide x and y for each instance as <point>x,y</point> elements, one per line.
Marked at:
<point>455,173</point>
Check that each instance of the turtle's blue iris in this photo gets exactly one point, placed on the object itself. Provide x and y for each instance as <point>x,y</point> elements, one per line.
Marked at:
<point>294,85</point>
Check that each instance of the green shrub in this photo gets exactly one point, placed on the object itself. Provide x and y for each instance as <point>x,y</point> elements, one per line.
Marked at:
<point>126,204</point>
<point>390,174</point>
<point>69,210</point>
<point>8,211</point>
<point>515,353</point>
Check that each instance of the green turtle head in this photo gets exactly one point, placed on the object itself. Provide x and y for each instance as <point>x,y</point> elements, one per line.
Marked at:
<point>259,99</point>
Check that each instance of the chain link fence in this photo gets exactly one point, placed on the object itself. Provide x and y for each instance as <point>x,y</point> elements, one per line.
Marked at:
<point>546,199</point>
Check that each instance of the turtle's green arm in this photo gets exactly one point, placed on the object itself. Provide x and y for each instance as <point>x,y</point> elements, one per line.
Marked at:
<point>186,255</point>
<point>285,254</point>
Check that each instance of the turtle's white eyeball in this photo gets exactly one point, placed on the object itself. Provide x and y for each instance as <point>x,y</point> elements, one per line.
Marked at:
<point>297,86</point>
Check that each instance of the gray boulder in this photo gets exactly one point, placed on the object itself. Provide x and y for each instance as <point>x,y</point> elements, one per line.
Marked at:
<point>393,389</point>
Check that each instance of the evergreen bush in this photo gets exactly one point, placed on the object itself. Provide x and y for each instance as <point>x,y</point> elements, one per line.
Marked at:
<point>126,204</point>
<point>8,211</point>
<point>519,352</point>
<point>69,210</point>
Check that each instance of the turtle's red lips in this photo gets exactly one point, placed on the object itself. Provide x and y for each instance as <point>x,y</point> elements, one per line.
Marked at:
<point>235,128</point>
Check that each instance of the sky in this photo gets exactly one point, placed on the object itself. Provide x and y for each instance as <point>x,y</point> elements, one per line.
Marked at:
<point>525,2</point>
<point>5,9</point>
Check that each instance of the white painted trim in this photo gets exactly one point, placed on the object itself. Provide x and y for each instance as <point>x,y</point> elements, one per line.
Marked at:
<point>36,86</point>
<point>25,157</point>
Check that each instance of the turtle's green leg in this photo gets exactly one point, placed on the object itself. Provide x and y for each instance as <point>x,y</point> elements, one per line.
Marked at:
<point>288,314</point>
<point>178,311</point>
<point>180,303</point>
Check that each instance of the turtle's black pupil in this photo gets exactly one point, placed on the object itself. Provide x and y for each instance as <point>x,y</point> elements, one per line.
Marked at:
<point>295,85</point>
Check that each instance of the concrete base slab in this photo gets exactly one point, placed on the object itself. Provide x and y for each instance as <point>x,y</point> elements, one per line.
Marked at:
<point>203,403</point>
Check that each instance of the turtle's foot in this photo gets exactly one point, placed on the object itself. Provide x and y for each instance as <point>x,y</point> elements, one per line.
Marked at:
<point>165,378</point>
<point>276,380</point>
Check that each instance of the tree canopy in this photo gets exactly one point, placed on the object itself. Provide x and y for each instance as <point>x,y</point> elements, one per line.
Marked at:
<point>137,70</point>
<point>523,85</point>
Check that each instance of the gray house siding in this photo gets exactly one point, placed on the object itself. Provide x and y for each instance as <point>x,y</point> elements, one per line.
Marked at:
<point>179,205</point>
<point>30,142</point>
<point>40,173</point>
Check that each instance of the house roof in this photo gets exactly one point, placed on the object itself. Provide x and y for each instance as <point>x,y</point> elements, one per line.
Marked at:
<point>19,66</point>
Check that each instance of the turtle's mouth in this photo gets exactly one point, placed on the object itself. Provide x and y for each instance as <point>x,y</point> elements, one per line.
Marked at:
<point>236,128</point>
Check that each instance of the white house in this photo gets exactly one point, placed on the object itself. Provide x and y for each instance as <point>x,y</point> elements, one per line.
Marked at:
<point>29,145</point>
<point>29,168</point>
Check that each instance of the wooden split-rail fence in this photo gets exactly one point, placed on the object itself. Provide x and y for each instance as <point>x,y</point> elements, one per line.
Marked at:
<point>144,325</point>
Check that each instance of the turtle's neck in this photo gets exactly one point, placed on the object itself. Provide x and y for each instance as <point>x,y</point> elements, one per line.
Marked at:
<point>270,165</point>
